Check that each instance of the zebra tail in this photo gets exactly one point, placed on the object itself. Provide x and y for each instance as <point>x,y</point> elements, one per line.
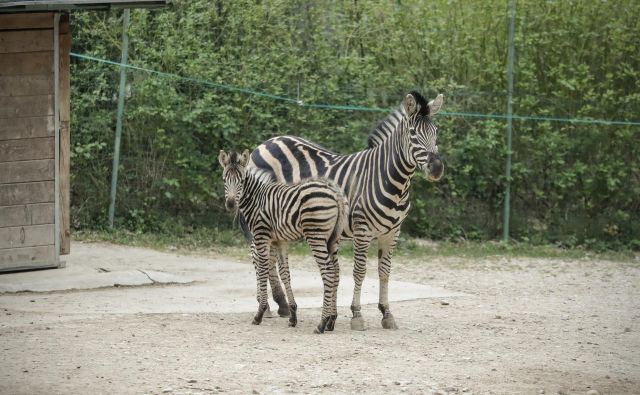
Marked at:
<point>341,220</point>
<point>244,227</point>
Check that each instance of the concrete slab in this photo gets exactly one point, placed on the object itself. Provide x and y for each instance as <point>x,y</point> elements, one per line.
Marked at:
<point>61,280</point>
<point>208,285</point>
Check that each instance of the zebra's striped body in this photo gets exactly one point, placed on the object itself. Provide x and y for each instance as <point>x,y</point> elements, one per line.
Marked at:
<point>375,181</point>
<point>276,212</point>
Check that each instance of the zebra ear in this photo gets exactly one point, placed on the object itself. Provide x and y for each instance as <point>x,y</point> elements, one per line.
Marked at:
<point>436,104</point>
<point>410,105</point>
<point>223,158</point>
<point>245,157</point>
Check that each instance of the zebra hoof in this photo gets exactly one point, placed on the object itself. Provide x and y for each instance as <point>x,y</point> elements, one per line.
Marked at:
<point>357,323</point>
<point>267,313</point>
<point>331,323</point>
<point>283,306</point>
<point>293,315</point>
<point>293,321</point>
<point>283,311</point>
<point>256,321</point>
<point>389,322</point>
<point>322,326</point>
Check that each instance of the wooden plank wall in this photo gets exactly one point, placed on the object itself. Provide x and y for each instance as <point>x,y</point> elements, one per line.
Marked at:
<point>65,135</point>
<point>27,142</point>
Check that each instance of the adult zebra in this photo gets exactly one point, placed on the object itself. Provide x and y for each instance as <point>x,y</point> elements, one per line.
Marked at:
<point>376,182</point>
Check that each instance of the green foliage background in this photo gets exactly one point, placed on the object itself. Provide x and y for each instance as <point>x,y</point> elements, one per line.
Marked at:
<point>572,184</point>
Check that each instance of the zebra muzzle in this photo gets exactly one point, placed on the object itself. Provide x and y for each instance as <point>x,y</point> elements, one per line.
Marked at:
<point>434,168</point>
<point>230,204</point>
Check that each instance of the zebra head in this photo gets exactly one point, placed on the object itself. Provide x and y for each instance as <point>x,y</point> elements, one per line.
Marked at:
<point>423,133</point>
<point>234,167</point>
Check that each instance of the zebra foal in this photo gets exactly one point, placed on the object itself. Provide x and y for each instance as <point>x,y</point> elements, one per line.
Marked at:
<point>276,213</point>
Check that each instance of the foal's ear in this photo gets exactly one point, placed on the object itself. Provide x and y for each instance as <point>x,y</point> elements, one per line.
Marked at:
<point>223,158</point>
<point>436,104</point>
<point>244,159</point>
<point>410,105</point>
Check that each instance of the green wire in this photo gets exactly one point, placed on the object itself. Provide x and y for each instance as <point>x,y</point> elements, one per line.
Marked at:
<point>534,118</point>
<point>196,80</point>
<point>349,107</point>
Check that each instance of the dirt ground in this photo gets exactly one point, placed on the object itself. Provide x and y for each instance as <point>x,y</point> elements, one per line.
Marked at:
<point>527,326</point>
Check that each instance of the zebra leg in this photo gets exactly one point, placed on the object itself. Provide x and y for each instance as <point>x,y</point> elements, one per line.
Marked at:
<point>261,262</point>
<point>334,295</point>
<point>360,250</point>
<point>283,267</point>
<point>267,313</point>
<point>323,258</point>
<point>386,244</point>
<point>274,281</point>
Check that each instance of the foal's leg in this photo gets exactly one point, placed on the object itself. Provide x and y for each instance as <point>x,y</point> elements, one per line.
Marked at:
<point>274,281</point>
<point>261,262</point>
<point>254,259</point>
<point>334,295</point>
<point>283,267</point>
<point>323,259</point>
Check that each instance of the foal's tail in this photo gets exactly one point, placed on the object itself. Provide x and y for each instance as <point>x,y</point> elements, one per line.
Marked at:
<point>341,218</point>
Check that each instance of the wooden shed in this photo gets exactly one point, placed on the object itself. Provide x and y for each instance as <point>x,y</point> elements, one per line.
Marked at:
<point>35,42</point>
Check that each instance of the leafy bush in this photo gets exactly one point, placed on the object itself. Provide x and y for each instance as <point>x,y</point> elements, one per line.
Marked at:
<point>573,184</point>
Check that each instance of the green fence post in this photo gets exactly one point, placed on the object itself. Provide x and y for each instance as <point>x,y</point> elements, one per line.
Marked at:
<point>121,94</point>
<point>510,54</point>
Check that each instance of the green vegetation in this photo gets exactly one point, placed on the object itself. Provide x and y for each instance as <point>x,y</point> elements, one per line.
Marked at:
<point>207,240</point>
<point>573,184</point>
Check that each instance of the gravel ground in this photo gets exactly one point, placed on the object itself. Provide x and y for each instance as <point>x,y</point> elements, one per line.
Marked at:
<point>529,326</point>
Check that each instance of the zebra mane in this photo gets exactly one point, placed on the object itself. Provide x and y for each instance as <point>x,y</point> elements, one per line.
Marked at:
<point>390,123</point>
<point>385,128</point>
<point>233,157</point>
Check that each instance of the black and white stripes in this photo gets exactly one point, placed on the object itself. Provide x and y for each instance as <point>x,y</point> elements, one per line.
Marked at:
<point>375,181</point>
<point>275,213</point>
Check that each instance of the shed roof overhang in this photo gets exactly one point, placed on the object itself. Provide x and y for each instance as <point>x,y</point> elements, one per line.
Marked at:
<point>68,5</point>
